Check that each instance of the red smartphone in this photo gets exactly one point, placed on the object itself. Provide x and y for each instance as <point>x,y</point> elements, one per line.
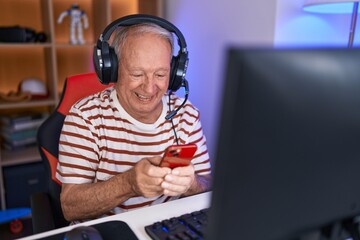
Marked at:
<point>178,155</point>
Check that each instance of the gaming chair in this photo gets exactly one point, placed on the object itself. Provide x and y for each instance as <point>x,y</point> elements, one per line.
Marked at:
<point>46,208</point>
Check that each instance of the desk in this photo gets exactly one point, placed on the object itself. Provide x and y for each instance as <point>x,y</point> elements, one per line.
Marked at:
<point>139,218</point>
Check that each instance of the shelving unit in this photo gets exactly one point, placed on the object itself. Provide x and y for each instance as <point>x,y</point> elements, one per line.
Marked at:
<point>55,59</point>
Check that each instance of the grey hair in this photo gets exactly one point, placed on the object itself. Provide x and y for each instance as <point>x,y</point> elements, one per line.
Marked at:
<point>121,33</point>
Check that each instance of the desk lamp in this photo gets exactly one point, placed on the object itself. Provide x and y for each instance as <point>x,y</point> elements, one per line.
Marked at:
<point>335,6</point>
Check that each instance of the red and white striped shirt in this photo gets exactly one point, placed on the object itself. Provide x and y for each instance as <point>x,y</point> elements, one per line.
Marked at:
<point>100,139</point>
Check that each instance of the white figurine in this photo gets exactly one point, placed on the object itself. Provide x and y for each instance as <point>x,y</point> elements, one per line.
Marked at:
<point>75,23</point>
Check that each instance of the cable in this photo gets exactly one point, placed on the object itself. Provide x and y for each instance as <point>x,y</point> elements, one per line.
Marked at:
<point>174,112</point>
<point>172,122</point>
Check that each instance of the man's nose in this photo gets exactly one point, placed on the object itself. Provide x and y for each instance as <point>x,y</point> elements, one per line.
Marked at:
<point>149,84</point>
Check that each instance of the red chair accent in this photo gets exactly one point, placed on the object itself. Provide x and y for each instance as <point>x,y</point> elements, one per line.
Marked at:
<point>46,207</point>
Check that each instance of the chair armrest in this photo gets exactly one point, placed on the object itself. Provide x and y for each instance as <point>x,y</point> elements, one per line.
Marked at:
<point>41,212</point>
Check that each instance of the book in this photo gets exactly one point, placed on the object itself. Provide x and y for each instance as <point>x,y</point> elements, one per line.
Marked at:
<point>22,142</point>
<point>10,136</point>
<point>10,147</point>
<point>21,122</point>
<point>21,117</point>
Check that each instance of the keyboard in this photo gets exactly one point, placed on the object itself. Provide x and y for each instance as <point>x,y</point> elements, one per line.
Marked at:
<point>188,226</point>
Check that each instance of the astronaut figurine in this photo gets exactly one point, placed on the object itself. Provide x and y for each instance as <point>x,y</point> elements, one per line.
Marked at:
<point>75,23</point>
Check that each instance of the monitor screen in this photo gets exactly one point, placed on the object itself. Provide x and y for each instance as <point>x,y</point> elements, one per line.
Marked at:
<point>288,157</point>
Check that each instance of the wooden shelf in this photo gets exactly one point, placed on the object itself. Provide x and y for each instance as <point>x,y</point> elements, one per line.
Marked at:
<point>22,156</point>
<point>25,45</point>
<point>29,104</point>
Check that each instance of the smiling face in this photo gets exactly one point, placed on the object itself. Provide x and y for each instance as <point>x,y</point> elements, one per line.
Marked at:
<point>144,75</point>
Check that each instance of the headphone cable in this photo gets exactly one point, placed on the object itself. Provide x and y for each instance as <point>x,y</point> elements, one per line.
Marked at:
<point>172,122</point>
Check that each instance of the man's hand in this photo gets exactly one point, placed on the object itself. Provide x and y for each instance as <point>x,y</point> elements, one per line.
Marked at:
<point>179,181</point>
<point>146,177</point>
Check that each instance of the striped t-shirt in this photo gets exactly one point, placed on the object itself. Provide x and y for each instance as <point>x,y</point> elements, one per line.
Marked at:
<point>100,139</point>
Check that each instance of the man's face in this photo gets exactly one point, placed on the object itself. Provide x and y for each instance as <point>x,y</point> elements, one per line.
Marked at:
<point>144,76</point>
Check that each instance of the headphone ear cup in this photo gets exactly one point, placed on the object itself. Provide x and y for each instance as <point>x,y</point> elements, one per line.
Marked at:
<point>103,62</point>
<point>172,73</point>
<point>96,62</point>
<point>178,70</point>
<point>114,65</point>
<point>106,63</point>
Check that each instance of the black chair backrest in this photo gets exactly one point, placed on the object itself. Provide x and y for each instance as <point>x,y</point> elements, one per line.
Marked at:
<point>75,88</point>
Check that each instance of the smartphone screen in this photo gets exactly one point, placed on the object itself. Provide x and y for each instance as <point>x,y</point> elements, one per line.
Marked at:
<point>178,155</point>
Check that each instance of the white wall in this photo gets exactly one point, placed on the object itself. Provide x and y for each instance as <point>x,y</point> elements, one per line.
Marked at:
<point>209,27</point>
<point>295,27</point>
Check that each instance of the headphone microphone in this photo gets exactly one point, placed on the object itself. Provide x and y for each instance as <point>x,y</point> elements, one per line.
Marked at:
<point>174,112</point>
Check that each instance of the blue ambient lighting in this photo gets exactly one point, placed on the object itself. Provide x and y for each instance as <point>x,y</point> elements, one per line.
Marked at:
<point>339,8</point>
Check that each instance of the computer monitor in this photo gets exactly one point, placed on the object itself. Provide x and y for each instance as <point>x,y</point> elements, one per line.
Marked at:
<point>288,156</point>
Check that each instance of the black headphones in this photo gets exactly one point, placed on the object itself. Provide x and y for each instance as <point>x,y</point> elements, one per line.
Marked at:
<point>106,61</point>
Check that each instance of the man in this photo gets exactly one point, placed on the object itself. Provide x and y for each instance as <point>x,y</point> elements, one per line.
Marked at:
<point>111,143</point>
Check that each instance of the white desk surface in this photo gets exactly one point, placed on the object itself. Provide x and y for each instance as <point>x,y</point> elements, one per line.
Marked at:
<point>139,218</point>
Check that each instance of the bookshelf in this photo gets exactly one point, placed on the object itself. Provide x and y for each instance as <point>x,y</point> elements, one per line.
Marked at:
<point>54,59</point>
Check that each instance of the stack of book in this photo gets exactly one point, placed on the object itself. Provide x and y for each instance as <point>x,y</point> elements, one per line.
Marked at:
<point>19,131</point>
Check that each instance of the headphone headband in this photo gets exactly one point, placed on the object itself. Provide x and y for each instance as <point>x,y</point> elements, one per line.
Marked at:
<point>143,18</point>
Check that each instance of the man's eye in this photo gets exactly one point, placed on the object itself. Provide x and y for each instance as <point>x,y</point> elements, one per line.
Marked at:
<point>137,75</point>
<point>160,75</point>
